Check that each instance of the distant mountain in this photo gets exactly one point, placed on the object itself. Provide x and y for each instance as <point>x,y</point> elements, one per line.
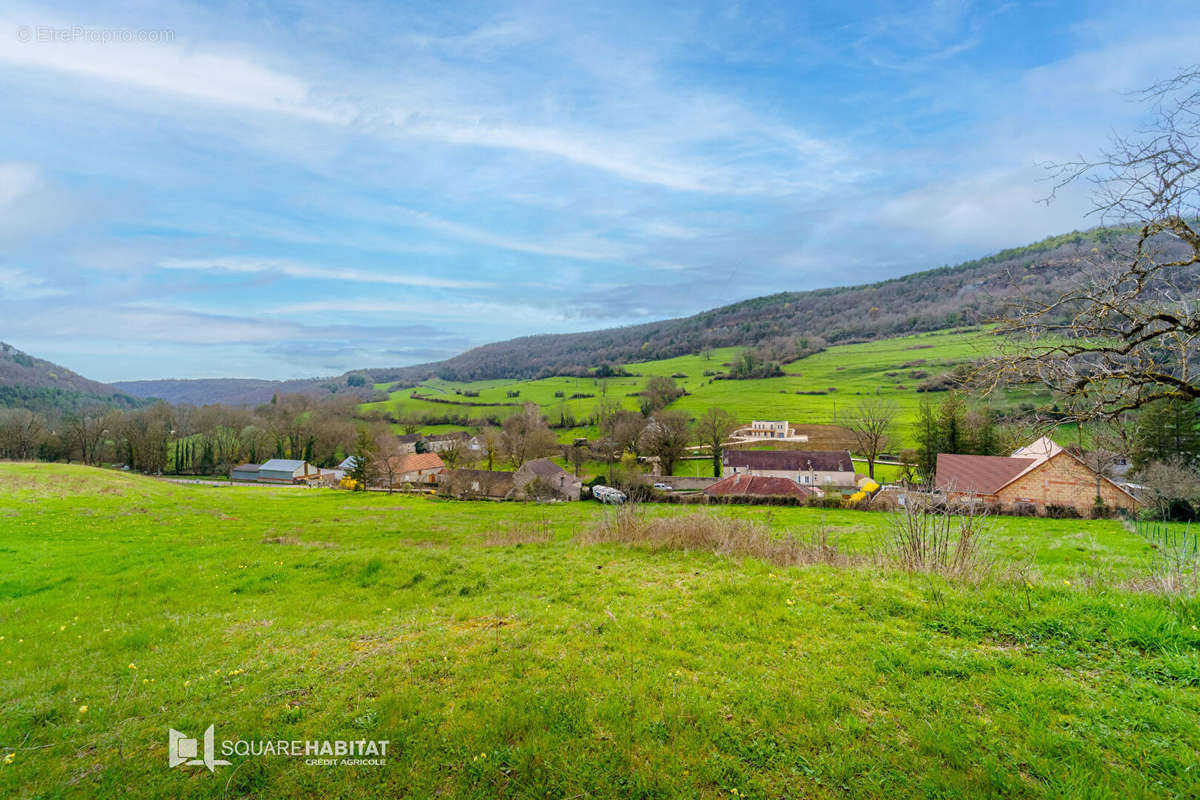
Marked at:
<point>946,297</point>
<point>247,391</point>
<point>47,388</point>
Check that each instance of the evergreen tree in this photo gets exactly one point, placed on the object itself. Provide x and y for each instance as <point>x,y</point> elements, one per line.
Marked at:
<point>365,455</point>
<point>1168,431</point>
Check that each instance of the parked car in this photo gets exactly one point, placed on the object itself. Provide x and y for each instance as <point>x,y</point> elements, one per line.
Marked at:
<point>665,487</point>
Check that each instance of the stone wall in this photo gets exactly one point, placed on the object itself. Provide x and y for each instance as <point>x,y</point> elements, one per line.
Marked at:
<point>1064,481</point>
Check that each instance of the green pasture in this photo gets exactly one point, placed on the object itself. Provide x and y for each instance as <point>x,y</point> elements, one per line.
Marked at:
<point>501,657</point>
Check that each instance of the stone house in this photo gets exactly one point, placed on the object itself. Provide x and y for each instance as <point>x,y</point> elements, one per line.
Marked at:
<point>415,468</point>
<point>1038,475</point>
<point>820,468</point>
<point>543,479</point>
<point>478,484</point>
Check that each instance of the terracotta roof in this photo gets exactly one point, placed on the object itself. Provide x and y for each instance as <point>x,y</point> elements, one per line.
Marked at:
<point>979,474</point>
<point>413,462</point>
<point>791,460</point>
<point>745,484</point>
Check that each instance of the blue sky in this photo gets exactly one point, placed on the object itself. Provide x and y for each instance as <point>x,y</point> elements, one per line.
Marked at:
<point>293,189</point>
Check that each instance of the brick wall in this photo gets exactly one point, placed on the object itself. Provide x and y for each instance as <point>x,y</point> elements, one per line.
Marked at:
<point>1064,481</point>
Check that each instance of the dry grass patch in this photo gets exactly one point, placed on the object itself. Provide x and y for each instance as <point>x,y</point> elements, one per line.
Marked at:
<point>726,536</point>
<point>538,532</point>
<point>296,542</point>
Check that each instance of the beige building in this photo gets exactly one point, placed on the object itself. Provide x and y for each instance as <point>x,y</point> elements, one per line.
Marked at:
<point>819,468</point>
<point>1040,474</point>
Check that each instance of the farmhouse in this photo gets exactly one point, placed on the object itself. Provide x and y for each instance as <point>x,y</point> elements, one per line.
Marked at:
<point>476,484</point>
<point>744,485</point>
<point>407,443</point>
<point>543,479</point>
<point>440,442</point>
<point>1038,475</point>
<point>806,467</point>
<point>286,470</point>
<point>415,468</point>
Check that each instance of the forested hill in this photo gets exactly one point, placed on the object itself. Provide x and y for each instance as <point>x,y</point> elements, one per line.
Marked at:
<point>949,296</point>
<point>945,297</point>
<point>42,386</point>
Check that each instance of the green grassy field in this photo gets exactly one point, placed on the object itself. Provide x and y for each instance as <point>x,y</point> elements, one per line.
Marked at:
<point>503,658</point>
<point>843,374</point>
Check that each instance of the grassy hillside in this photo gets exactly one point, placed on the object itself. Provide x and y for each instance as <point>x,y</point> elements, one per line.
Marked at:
<point>45,387</point>
<point>502,657</point>
<point>814,391</point>
<point>935,299</point>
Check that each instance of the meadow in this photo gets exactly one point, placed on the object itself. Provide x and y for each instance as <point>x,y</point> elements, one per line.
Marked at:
<point>504,657</point>
<point>820,389</point>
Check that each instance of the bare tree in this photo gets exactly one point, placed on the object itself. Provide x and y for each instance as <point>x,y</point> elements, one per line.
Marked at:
<point>387,458</point>
<point>577,455</point>
<point>666,437</point>
<point>712,429</point>
<point>525,436</point>
<point>21,431</point>
<point>491,439</point>
<point>1128,334</point>
<point>1168,482</point>
<point>454,452</point>
<point>625,428</point>
<point>871,423</point>
<point>85,431</point>
<point>1111,443</point>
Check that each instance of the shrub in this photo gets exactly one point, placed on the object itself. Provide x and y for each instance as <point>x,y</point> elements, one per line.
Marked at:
<point>1056,511</point>
<point>937,542</point>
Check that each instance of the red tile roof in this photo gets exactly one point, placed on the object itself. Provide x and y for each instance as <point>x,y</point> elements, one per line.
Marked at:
<point>745,484</point>
<point>978,474</point>
<point>414,462</point>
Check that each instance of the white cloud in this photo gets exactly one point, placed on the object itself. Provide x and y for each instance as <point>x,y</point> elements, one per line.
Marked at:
<point>295,269</point>
<point>579,247</point>
<point>177,68</point>
<point>19,284</point>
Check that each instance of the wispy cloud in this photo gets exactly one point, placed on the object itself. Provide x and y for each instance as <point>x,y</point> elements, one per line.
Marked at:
<point>293,269</point>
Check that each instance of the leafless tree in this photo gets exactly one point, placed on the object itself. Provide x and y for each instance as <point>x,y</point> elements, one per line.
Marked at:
<point>625,428</point>
<point>1167,482</point>
<point>577,455</point>
<point>387,458</point>
<point>871,422</point>
<point>491,439</point>
<point>525,436</point>
<point>666,437</point>
<point>1127,335</point>
<point>21,431</point>
<point>454,452</point>
<point>1111,443</point>
<point>712,429</point>
<point>85,430</point>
